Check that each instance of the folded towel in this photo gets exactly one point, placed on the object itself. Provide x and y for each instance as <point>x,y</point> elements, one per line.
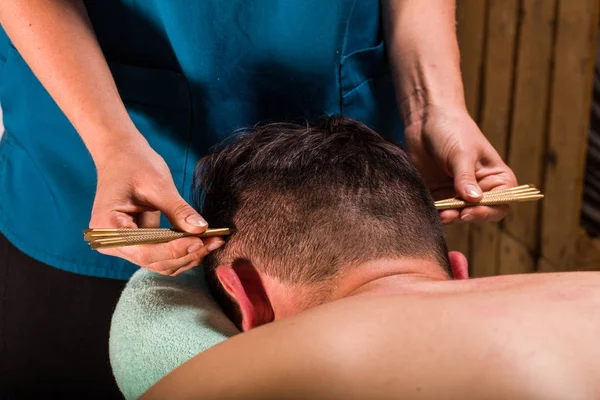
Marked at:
<point>159,323</point>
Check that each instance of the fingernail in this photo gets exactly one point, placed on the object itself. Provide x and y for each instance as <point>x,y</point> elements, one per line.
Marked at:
<point>194,247</point>
<point>467,218</point>
<point>472,191</point>
<point>196,220</point>
<point>215,245</point>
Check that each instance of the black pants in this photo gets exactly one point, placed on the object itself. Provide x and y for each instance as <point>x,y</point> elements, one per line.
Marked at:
<point>53,330</point>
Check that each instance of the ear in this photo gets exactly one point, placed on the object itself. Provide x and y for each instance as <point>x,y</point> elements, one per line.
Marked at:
<point>242,283</point>
<point>459,265</point>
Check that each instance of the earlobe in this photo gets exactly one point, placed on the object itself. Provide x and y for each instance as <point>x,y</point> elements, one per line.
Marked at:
<point>244,286</point>
<point>459,265</point>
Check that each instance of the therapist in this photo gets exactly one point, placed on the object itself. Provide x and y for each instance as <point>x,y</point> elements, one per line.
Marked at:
<point>109,104</point>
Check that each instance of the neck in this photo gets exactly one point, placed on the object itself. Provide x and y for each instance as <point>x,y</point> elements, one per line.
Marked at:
<point>389,276</point>
<point>373,277</point>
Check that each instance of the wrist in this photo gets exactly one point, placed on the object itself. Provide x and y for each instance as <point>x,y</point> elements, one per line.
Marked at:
<point>421,104</point>
<point>106,144</point>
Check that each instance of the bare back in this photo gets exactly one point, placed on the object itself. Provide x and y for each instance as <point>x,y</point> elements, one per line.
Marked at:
<point>528,336</point>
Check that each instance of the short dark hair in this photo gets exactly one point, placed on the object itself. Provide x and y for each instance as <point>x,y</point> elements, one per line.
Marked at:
<point>307,200</point>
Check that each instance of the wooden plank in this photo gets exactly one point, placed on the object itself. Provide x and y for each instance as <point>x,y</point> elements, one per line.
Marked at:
<point>574,57</point>
<point>503,17</point>
<point>544,266</point>
<point>529,120</point>
<point>516,256</point>
<point>470,30</point>
<point>470,17</point>
<point>502,20</point>
<point>485,242</point>
<point>586,256</point>
<point>457,238</point>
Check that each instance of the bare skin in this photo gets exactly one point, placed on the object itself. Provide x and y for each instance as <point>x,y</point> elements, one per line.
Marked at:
<point>57,41</point>
<point>415,336</point>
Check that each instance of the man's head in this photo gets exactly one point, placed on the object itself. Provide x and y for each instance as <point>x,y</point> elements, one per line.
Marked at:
<point>308,204</point>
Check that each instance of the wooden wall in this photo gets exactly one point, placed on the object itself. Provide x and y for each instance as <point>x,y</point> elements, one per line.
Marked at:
<point>527,69</point>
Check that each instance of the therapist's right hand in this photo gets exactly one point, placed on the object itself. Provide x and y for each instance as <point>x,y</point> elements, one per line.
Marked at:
<point>134,187</point>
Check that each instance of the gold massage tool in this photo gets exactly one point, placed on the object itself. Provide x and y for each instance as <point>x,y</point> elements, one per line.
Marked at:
<point>516,194</point>
<point>99,238</point>
<point>104,238</point>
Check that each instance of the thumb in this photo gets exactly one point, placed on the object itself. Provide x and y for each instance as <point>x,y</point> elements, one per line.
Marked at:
<point>179,213</point>
<point>465,182</point>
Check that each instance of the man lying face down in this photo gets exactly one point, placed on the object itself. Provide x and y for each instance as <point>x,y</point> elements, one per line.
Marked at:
<point>314,209</point>
<point>335,226</point>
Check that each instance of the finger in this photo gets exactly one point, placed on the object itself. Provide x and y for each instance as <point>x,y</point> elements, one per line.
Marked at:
<point>496,181</point>
<point>112,219</point>
<point>146,254</point>
<point>446,216</point>
<point>449,216</point>
<point>194,264</point>
<point>484,213</point>
<point>180,213</point>
<point>115,252</point>
<point>209,242</point>
<point>181,270</point>
<point>465,182</point>
<point>149,219</point>
<point>170,267</point>
<point>116,214</point>
<point>443,192</point>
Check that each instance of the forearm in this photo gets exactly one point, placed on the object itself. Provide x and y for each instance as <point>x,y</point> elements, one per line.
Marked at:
<point>57,41</point>
<point>423,51</point>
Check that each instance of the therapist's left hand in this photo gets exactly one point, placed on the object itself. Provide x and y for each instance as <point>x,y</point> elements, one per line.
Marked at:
<point>455,158</point>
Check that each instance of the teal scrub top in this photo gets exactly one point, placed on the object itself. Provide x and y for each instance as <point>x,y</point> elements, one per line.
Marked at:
<point>190,72</point>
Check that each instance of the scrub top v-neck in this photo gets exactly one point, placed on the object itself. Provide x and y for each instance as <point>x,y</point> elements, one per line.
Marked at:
<point>189,72</point>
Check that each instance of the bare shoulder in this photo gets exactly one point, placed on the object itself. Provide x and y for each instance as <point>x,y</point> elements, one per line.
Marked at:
<point>418,346</point>
<point>536,342</point>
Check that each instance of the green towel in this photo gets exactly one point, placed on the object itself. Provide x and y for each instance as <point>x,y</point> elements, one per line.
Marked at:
<point>159,323</point>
